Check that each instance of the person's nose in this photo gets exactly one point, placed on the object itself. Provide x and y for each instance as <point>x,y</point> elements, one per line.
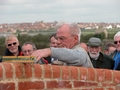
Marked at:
<point>94,49</point>
<point>58,42</point>
<point>27,53</point>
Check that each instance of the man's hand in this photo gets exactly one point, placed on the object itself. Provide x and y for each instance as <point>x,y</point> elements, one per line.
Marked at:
<point>41,53</point>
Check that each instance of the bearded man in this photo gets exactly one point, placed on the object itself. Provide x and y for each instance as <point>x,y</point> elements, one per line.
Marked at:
<point>98,59</point>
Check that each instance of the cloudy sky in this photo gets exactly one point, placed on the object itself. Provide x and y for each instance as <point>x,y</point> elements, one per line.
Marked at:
<point>16,11</point>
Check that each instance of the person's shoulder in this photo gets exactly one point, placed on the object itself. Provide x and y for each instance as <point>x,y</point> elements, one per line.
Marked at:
<point>7,52</point>
<point>77,47</point>
<point>108,57</point>
<point>113,53</point>
<point>118,58</point>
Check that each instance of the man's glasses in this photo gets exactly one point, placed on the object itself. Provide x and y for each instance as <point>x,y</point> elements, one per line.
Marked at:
<point>115,42</point>
<point>25,51</point>
<point>12,44</point>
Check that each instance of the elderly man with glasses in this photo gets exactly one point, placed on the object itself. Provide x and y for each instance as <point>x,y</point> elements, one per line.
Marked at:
<point>68,50</point>
<point>12,46</point>
<point>98,59</point>
<point>116,54</point>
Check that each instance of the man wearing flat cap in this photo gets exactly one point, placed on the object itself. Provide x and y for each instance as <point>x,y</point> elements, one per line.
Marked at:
<point>98,59</point>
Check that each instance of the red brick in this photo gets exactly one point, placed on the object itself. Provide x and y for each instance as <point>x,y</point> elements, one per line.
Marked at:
<point>8,70</point>
<point>56,71</point>
<point>58,84</point>
<point>7,86</point>
<point>83,73</point>
<point>1,71</point>
<point>91,74</point>
<point>117,87</point>
<point>99,89</point>
<point>47,71</point>
<point>110,88</point>
<point>87,89</point>
<point>65,73</point>
<point>116,76</point>
<point>108,84</point>
<point>108,75</point>
<point>28,69</point>
<point>84,84</point>
<point>31,85</point>
<point>37,70</point>
<point>100,75</point>
<point>57,77</point>
<point>74,72</point>
<point>18,70</point>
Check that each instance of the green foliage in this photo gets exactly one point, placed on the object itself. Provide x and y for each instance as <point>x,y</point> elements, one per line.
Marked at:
<point>2,50</point>
<point>101,35</point>
<point>40,40</point>
<point>85,38</point>
<point>2,41</point>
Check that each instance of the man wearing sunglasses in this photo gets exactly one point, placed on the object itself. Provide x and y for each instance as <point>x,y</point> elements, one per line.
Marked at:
<point>12,46</point>
<point>116,54</point>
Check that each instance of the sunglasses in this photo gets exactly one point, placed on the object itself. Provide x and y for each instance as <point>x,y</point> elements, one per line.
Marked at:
<point>115,42</point>
<point>12,44</point>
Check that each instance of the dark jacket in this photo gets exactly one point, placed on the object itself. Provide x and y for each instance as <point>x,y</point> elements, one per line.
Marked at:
<point>48,59</point>
<point>8,53</point>
<point>113,54</point>
<point>103,61</point>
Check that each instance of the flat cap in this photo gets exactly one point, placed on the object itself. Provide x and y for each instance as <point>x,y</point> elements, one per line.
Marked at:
<point>94,42</point>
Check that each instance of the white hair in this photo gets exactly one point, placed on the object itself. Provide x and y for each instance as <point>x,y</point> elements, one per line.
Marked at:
<point>117,34</point>
<point>74,29</point>
<point>9,37</point>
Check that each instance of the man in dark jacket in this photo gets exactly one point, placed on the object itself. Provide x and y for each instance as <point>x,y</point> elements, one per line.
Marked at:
<point>98,59</point>
<point>12,46</point>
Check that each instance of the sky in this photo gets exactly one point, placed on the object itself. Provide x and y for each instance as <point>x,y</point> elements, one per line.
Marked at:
<point>18,11</point>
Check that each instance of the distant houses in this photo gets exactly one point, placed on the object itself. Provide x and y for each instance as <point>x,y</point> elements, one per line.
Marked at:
<point>41,25</point>
<point>118,26</point>
<point>109,27</point>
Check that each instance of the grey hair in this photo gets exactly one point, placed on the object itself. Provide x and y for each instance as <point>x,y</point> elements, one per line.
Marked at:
<point>109,45</point>
<point>9,37</point>
<point>74,29</point>
<point>31,43</point>
<point>117,34</point>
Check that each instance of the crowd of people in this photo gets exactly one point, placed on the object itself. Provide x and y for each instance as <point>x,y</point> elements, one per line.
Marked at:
<point>66,49</point>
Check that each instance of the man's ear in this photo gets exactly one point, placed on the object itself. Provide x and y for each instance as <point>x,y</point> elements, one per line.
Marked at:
<point>76,37</point>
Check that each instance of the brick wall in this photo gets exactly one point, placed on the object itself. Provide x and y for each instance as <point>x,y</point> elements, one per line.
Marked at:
<point>27,76</point>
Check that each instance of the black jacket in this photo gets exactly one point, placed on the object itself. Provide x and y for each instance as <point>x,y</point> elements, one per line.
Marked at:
<point>103,61</point>
<point>8,53</point>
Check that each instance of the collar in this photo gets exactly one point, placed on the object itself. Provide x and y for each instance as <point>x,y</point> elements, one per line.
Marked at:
<point>100,58</point>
